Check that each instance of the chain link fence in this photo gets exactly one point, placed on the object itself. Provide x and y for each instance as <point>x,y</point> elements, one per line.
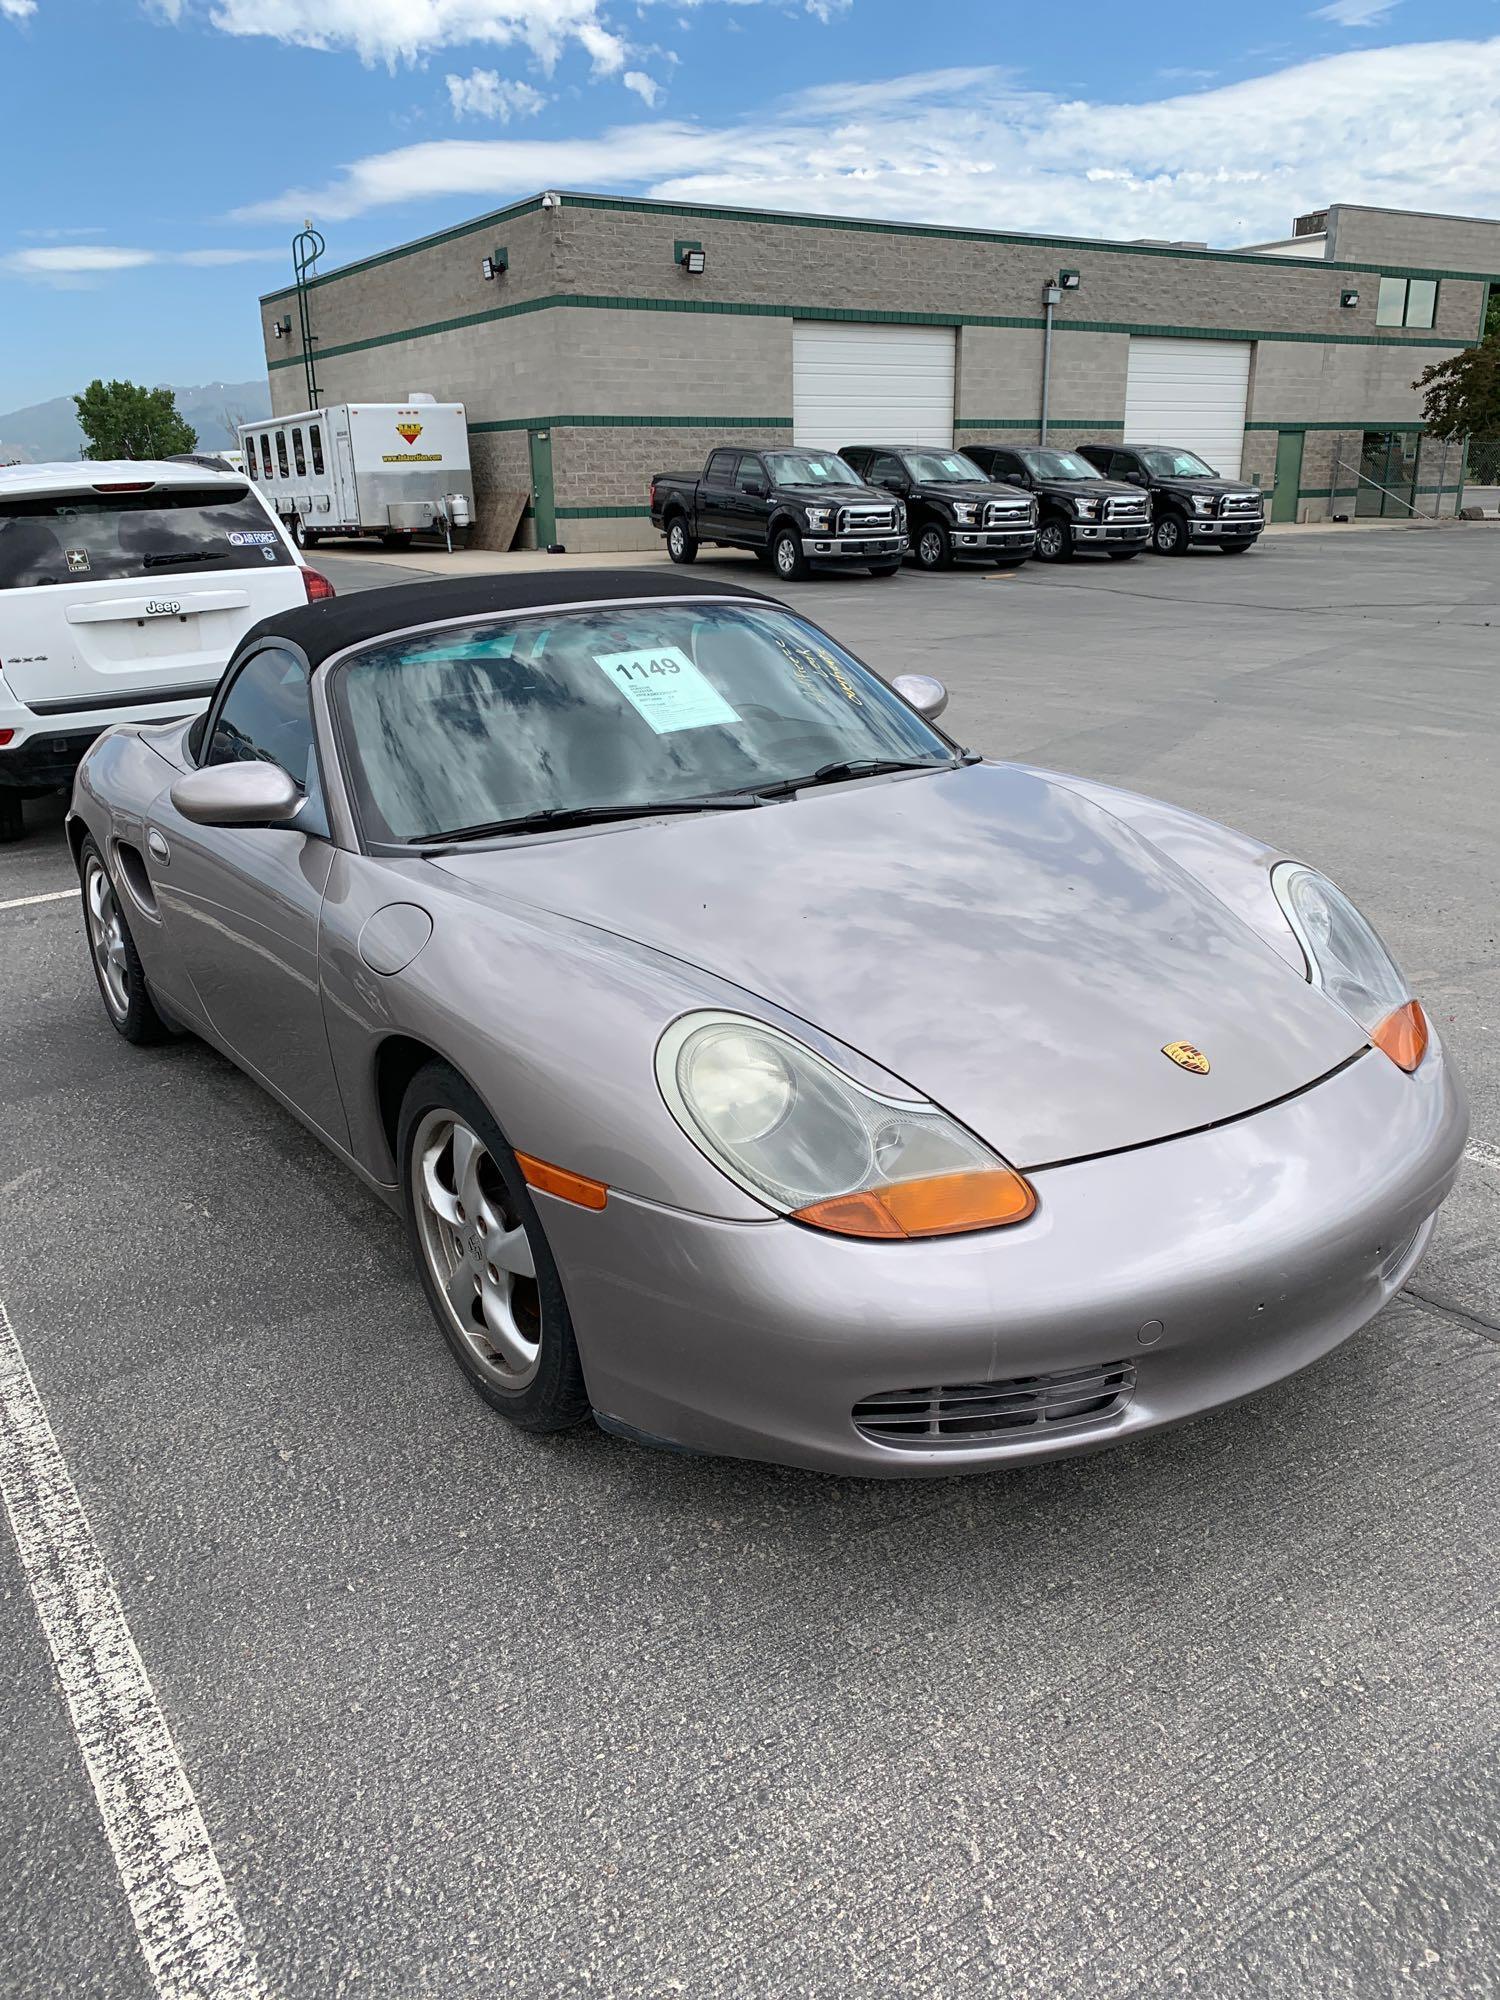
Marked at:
<point>1482,478</point>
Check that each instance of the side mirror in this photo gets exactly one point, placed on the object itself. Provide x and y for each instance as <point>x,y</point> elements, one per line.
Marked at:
<point>757,489</point>
<point>1015,479</point>
<point>1136,478</point>
<point>891,483</point>
<point>927,695</point>
<point>249,794</point>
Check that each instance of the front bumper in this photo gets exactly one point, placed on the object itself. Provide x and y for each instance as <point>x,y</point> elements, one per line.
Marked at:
<point>853,548</point>
<point>1244,530</point>
<point>1116,534</point>
<point>1214,1264</point>
<point>993,541</point>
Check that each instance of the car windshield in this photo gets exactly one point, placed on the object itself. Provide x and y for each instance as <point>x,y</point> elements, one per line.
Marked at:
<point>99,536</point>
<point>642,704</point>
<point>1058,465</point>
<point>938,466</point>
<point>1177,465</point>
<point>810,468</point>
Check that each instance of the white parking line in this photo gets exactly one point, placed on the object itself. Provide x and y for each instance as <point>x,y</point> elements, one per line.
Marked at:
<point>52,896</point>
<point>184,1916</point>
<point>1483,1154</point>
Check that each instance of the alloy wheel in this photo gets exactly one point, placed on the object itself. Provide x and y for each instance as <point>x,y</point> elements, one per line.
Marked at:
<point>676,537</point>
<point>930,549</point>
<point>477,1250</point>
<point>107,938</point>
<point>786,556</point>
<point>1049,541</point>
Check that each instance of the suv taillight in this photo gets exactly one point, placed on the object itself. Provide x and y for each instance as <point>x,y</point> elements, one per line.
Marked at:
<point>317,586</point>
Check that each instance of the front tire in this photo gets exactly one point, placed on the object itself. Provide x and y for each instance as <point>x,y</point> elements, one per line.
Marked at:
<point>787,558</point>
<point>682,547</point>
<point>1054,540</point>
<point>1169,535</point>
<point>934,548</point>
<point>483,1256</point>
<point>112,953</point>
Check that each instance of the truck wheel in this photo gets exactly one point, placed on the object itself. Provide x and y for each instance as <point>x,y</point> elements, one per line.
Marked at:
<point>12,821</point>
<point>302,535</point>
<point>934,550</point>
<point>786,555</point>
<point>1169,536</point>
<point>681,546</point>
<point>1054,540</point>
<point>395,539</point>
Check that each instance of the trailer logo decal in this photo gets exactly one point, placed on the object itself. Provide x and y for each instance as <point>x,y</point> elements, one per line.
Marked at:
<point>410,431</point>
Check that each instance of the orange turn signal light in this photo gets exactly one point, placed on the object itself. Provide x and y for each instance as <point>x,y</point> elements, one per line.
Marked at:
<point>1402,1035</point>
<point>577,1188</point>
<point>941,1205</point>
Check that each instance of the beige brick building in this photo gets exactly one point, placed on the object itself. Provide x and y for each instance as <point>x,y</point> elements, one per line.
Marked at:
<point>596,357</point>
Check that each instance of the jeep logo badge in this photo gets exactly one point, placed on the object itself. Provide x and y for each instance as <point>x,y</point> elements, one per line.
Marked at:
<point>163,607</point>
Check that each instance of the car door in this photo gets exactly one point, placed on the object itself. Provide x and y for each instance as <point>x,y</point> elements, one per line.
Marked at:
<point>243,904</point>
<point>716,496</point>
<point>750,519</point>
<point>1006,469</point>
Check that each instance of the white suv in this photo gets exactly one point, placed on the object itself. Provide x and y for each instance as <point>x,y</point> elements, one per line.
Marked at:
<point>124,588</point>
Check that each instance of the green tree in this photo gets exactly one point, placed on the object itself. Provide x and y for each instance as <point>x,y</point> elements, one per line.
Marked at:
<point>1461,396</point>
<point>123,420</point>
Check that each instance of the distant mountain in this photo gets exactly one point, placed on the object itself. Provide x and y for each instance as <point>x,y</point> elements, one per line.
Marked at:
<point>50,430</point>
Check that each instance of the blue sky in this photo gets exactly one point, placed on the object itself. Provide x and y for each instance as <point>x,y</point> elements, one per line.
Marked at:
<point>158,154</point>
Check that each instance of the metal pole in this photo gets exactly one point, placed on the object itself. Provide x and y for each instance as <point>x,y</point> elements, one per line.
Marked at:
<point>307,247</point>
<point>1046,359</point>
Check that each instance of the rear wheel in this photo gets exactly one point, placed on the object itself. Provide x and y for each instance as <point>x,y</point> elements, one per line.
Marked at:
<point>787,558</point>
<point>116,962</point>
<point>1054,540</point>
<point>1169,537</point>
<point>12,819</point>
<point>934,549</point>
<point>681,545</point>
<point>483,1256</point>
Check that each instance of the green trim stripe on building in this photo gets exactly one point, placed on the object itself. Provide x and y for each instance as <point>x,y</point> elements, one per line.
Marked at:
<point>632,424</point>
<point>626,206</point>
<point>854,315</point>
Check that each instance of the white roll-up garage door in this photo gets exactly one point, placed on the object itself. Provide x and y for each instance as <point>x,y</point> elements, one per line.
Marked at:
<point>1192,393</point>
<point>871,384</point>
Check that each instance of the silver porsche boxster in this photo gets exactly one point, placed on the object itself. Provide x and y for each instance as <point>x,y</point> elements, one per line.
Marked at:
<point>757,1068</point>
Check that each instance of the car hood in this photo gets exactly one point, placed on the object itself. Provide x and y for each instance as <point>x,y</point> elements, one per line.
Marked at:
<point>985,934</point>
<point>970,489</point>
<point>836,496</point>
<point>1207,485</point>
<point>1095,489</point>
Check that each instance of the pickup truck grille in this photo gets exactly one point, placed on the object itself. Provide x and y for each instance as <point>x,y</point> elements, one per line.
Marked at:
<point>1239,506</point>
<point>1005,514</point>
<point>1126,507</point>
<point>865,520</point>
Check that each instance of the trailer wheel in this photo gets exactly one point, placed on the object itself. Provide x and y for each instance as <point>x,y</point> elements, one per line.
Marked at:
<point>395,539</point>
<point>304,536</point>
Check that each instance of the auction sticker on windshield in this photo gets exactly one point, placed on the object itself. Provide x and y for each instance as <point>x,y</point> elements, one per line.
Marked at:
<point>666,688</point>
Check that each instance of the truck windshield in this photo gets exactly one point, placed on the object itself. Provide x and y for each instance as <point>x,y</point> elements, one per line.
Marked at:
<point>1058,465</point>
<point>939,467</point>
<point>647,704</point>
<point>96,536</point>
<point>1177,465</point>
<point>817,468</point>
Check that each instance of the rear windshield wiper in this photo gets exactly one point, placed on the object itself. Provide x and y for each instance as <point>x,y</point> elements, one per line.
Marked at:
<point>849,767</point>
<point>187,556</point>
<point>549,817</point>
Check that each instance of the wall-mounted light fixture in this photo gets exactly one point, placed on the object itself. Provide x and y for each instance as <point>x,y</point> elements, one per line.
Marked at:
<point>497,265</point>
<point>691,256</point>
<point>1068,280</point>
<point>281,329</point>
<point>1349,299</point>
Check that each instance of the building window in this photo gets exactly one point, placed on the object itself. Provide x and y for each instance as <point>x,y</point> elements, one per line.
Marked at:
<point>281,454</point>
<point>315,439</point>
<point>298,457</point>
<point>1407,302</point>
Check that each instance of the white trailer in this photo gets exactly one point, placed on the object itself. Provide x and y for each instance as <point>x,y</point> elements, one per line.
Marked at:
<point>386,469</point>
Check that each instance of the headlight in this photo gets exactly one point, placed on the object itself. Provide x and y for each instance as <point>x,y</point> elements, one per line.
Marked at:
<point>813,1144</point>
<point>1347,959</point>
<point>818,519</point>
<point>964,512</point>
<point>1086,509</point>
<point>1203,503</point>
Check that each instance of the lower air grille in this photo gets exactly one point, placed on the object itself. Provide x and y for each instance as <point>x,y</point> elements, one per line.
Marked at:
<point>966,1413</point>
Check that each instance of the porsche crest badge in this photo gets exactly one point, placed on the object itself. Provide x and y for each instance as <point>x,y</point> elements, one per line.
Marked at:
<point>1187,1057</point>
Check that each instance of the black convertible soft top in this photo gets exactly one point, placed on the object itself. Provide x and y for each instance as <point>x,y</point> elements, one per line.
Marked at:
<point>321,630</point>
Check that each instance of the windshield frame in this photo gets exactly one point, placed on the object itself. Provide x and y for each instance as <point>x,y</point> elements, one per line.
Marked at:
<point>330,713</point>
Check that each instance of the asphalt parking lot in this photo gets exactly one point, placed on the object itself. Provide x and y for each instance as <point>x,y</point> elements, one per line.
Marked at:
<point>472,1713</point>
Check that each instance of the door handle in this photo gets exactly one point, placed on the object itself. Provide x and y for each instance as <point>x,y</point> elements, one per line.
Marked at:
<point>157,848</point>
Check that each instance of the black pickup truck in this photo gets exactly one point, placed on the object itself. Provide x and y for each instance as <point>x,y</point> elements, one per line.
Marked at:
<point>1079,509</point>
<point>1191,506</point>
<point>796,510</point>
<point>954,511</point>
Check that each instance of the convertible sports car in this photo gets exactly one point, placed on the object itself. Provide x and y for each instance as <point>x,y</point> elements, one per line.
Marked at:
<point>758,1069</point>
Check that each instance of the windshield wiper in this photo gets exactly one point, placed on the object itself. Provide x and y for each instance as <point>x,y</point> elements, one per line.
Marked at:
<point>848,767</point>
<point>187,556</point>
<point>548,817</point>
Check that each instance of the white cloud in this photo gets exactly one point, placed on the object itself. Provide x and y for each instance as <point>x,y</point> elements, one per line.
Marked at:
<point>72,264</point>
<point>485,94</point>
<point>17,10</point>
<point>1231,164</point>
<point>1354,13</point>
<point>645,87</point>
